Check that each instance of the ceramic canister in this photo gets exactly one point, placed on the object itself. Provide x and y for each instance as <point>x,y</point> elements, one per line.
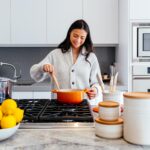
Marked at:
<point>111,130</point>
<point>116,96</point>
<point>137,117</point>
<point>108,110</point>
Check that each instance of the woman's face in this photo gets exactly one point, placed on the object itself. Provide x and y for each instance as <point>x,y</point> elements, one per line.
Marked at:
<point>77,37</point>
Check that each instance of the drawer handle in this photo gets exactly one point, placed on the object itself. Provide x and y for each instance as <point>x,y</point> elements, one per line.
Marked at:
<point>148,90</point>
<point>148,70</point>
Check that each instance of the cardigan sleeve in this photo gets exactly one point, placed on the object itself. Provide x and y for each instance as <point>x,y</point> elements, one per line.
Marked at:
<point>37,72</point>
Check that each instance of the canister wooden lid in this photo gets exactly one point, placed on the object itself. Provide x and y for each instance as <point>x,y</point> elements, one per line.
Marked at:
<point>137,95</point>
<point>96,109</point>
<point>108,104</point>
<point>119,121</point>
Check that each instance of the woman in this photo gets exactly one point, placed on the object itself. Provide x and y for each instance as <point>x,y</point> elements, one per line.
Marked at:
<point>73,62</point>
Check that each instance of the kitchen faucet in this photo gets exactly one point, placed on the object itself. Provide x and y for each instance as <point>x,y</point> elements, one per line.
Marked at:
<point>15,71</point>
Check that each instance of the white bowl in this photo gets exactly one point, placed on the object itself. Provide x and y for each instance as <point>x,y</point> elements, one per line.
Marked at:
<point>6,133</point>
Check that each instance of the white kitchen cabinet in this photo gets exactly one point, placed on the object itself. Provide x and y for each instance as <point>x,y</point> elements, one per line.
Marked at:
<point>141,85</point>
<point>28,21</point>
<point>42,95</point>
<point>31,95</point>
<point>22,95</point>
<point>46,22</point>
<point>60,15</point>
<point>139,9</point>
<point>102,17</point>
<point>4,22</point>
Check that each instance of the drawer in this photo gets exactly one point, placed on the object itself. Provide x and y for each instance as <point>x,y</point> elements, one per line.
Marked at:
<point>22,95</point>
<point>141,70</point>
<point>42,95</point>
<point>141,85</point>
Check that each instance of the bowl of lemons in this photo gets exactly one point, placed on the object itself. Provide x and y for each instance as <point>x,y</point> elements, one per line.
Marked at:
<point>10,118</point>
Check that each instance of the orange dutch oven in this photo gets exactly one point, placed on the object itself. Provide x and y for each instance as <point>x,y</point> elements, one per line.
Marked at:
<point>70,96</point>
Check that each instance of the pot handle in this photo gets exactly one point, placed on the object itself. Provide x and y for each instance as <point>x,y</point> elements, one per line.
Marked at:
<point>54,91</point>
<point>85,90</point>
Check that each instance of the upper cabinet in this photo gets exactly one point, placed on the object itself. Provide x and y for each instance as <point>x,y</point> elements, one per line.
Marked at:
<point>4,21</point>
<point>102,17</point>
<point>28,21</point>
<point>139,9</point>
<point>46,22</point>
<point>60,15</point>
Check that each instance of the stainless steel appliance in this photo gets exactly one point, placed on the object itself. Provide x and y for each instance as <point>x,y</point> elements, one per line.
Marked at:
<point>45,113</point>
<point>141,41</point>
<point>6,83</point>
<point>141,78</point>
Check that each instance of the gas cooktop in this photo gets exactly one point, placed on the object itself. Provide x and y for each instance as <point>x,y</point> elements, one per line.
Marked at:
<point>51,111</point>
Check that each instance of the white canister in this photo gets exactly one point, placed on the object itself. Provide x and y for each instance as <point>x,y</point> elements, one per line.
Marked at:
<point>109,110</point>
<point>111,130</point>
<point>116,96</point>
<point>137,118</point>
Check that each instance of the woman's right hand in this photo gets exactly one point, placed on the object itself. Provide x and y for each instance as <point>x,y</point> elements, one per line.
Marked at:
<point>48,68</point>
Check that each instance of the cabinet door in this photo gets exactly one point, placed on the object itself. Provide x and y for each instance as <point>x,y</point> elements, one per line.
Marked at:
<point>141,85</point>
<point>139,9</point>
<point>60,15</point>
<point>28,21</point>
<point>4,21</point>
<point>22,95</point>
<point>41,95</point>
<point>102,17</point>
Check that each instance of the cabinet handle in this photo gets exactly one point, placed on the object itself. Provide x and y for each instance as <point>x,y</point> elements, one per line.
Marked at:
<point>148,90</point>
<point>148,70</point>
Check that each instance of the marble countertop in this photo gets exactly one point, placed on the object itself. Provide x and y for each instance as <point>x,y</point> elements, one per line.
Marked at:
<point>64,139</point>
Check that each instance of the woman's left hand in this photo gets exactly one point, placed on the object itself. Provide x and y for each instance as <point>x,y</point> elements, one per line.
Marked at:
<point>92,92</point>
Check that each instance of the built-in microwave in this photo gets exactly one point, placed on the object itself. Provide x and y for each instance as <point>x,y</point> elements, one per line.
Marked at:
<point>141,41</point>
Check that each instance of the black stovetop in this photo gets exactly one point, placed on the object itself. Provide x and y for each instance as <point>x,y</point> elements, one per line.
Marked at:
<point>45,110</point>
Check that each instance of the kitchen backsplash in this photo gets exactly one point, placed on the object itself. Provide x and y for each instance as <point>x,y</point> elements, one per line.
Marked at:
<point>24,58</point>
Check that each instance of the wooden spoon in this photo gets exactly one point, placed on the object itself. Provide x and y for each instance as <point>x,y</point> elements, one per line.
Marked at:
<point>55,80</point>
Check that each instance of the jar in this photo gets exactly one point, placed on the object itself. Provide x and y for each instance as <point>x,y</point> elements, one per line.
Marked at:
<point>109,110</point>
<point>116,96</point>
<point>137,117</point>
<point>111,130</point>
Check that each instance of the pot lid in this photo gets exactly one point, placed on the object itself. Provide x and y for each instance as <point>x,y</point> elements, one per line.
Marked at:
<point>118,121</point>
<point>108,104</point>
<point>137,95</point>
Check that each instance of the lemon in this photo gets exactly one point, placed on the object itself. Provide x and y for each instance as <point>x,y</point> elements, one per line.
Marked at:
<point>9,106</point>
<point>1,115</point>
<point>18,114</point>
<point>8,122</point>
<point>0,107</point>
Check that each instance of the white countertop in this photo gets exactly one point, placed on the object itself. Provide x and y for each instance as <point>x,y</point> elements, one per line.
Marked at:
<point>68,139</point>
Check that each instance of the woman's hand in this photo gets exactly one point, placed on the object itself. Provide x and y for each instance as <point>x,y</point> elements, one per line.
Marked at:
<point>92,92</point>
<point>48,68</point>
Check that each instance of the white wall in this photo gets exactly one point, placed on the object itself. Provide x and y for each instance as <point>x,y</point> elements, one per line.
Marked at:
<point>122,50</point>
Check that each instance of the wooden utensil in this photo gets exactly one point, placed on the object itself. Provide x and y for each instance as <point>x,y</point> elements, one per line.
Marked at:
<point>99,78</point>
<point>55,80</point>
<point>115,82</point>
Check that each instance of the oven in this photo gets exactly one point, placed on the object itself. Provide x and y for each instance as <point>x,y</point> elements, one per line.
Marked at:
<point>141,41</point>
<point>46,113</point>
<point>141,78</point>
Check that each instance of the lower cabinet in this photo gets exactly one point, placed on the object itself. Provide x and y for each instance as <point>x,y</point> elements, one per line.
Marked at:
<point>141,85</point>
<point>31,95</point>
<point>42,95</point>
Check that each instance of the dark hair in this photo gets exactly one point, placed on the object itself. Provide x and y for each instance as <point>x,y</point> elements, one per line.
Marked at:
<point>88,44</point>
